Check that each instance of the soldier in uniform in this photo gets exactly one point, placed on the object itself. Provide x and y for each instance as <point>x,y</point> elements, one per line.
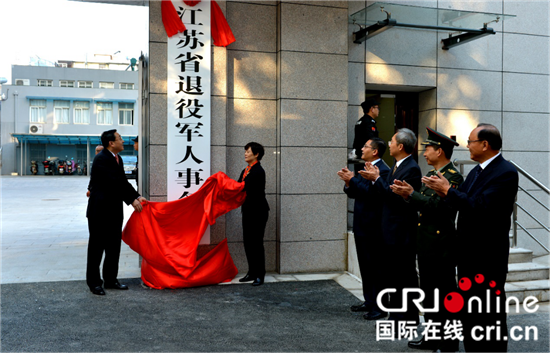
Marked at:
<point>365,129</point>
<point>436,236</point>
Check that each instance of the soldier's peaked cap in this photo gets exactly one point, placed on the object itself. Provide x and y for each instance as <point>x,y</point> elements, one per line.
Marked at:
<point>370,102</point>
<point>438,139</point>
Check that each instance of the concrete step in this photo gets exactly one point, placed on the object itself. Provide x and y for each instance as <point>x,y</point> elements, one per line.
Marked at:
<point>518,255</point>
<point>539,289</point>
<point>527,271</point>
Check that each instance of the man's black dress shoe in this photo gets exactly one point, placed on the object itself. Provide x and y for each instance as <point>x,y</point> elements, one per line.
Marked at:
<point>97,290</point>
<point>361,307</point>
<point>258,282</point>
<point>246,278</point>
<point>423,344</point>
<point>374,315</point>
<point>115,285</point>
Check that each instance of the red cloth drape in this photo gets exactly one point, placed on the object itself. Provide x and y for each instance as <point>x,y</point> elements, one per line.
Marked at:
<point>221,32</point>
<point>170,18</point>
<point>167,235</point>
<point>191,2</point>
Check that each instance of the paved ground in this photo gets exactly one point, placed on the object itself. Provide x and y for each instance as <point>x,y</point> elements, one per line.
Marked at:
<point>45,232</point>
<point>46,305</point>
<point>310,316</point>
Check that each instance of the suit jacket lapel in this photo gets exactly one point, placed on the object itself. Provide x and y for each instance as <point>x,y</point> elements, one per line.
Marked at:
<point>399,171</point>
<point>485,175</point>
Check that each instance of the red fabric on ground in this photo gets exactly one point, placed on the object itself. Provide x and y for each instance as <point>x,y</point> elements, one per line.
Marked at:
<point>221,32</point>
<point>167,235</point>
<point>170,18</point>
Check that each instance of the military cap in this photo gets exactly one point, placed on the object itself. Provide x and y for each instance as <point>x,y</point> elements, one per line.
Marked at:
<point>370,102</point>
<point>438,139</point>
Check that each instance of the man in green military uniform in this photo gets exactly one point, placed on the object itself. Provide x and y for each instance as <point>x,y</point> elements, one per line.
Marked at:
<point>436,237</point>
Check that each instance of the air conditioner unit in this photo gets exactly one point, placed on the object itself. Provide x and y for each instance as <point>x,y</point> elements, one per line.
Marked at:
<point>22,82</point>
<point>36,129</point>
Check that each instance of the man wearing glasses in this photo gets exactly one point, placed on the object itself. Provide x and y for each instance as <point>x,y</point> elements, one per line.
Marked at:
<point>367,226</point>
<point>399,223</point>
<point>108,189</point>
<point>485,203</point>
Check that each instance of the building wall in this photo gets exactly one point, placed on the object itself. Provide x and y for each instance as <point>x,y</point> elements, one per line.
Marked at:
<point>15,114</point>
<point>294,81</point>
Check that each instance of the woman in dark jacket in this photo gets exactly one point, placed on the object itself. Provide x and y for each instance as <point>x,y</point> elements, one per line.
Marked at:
<point>255,212</point>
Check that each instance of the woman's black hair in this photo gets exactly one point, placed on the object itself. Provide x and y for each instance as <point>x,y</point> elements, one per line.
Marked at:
<point>257,149</point>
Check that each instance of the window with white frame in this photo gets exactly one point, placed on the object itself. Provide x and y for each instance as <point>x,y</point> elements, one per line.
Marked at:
<point>85,84</point>
<point>106,85</point>
<point>124,85</point>
<point>104,113</point>
<point>66,83</point>
<point>61,111</point>
<point>38,110</point>
<point>126,113</point>
<point>45,83</point>
<point>81,112</point>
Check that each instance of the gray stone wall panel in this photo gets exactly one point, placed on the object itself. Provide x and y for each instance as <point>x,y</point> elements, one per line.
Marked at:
<point>526,53</point>
<point>158,69</point>
<point>481,54</point>
<point>523,131</point>
<point>408,47</point>
<point>461,89</point>
<point>312,123</point>
<point>253,26</point>
<point>158,121</point>
<point>529,20</point>
<point>157,165</point>
<point>251,120</point>
<point>313,217</point>
<point>313,29</point>
<point>311,170</point>
<point>526,93</point>
<point>462,122</point>
<point>314,76</point>
<point>313,256</point>
<point>400,75</point>
<point>251,75</point>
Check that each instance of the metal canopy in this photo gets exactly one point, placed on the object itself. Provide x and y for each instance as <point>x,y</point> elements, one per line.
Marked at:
<point>380,17</point>
<point>65,139</point>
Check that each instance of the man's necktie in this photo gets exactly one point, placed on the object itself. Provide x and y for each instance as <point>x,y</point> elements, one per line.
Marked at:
<point>394,169</point>
<point>477,170</point>
<point>116,157</point>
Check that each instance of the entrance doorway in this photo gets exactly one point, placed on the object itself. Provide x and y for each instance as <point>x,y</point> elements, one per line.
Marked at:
<point>397,110</point>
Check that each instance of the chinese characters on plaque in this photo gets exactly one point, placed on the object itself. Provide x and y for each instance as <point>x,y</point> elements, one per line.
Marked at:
<point>189,89</point>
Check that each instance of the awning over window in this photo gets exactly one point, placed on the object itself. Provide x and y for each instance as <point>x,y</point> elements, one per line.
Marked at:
<point>65,139</point>
<point>470,25</point>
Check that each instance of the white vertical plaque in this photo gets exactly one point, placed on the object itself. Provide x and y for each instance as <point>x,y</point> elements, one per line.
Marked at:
<point>189,105</point>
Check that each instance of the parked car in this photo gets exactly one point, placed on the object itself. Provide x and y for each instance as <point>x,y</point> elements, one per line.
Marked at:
<point>130,166</point>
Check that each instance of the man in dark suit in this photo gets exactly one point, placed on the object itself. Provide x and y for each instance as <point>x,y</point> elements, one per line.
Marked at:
<point>435,238</point>
<point>485,203</point>
<point>367,227</point>
<point>108,188</point>
<point>399,222</point>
